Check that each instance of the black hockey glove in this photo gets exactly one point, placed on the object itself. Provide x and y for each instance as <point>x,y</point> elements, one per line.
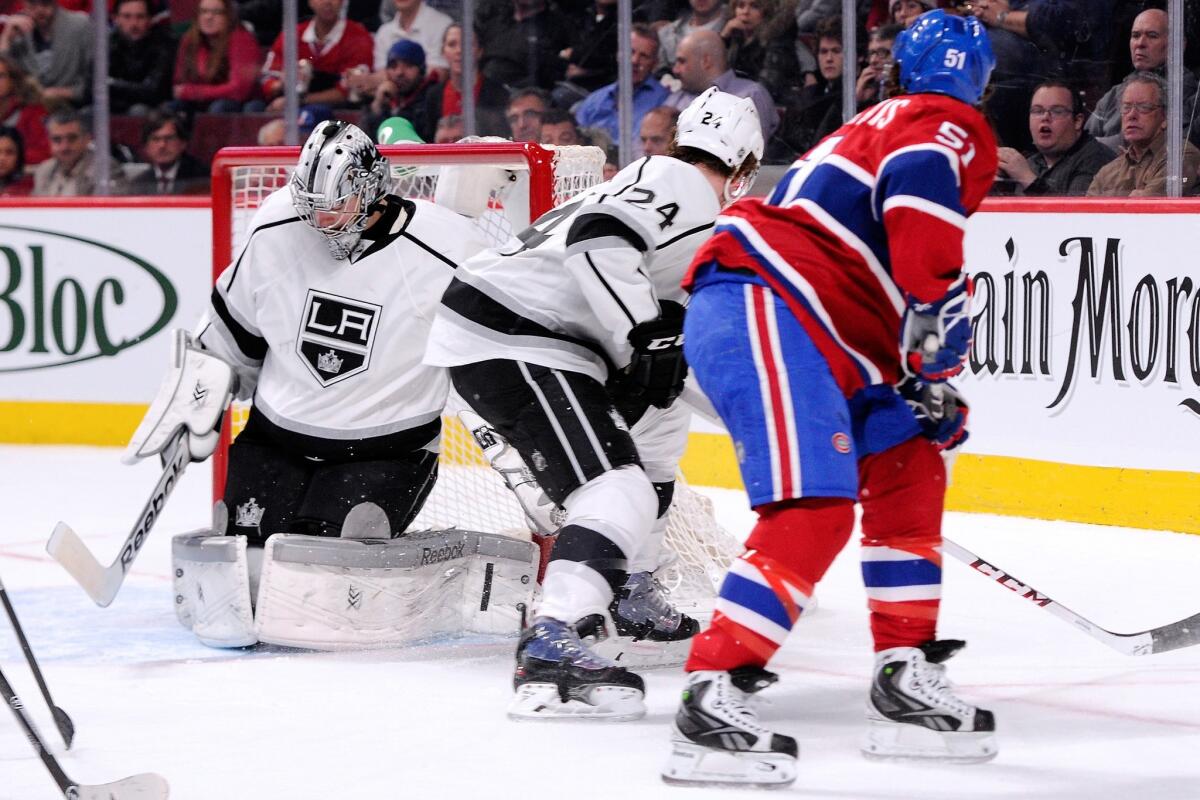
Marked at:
<point>657,369</point>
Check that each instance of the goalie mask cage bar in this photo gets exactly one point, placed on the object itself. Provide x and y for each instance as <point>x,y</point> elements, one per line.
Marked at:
<point>468,492</point>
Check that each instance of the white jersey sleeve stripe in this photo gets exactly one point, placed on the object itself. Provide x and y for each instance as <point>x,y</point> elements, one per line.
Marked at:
<point>927,207</point>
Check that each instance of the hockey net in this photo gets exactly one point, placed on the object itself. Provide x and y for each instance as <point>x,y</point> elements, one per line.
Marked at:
<point>468,493</point>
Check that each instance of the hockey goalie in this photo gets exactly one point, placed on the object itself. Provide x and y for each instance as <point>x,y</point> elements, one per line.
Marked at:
<point>322,320</point>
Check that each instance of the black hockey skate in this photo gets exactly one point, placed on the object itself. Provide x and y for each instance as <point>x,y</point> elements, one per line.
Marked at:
<point>717,738</point>
<point>913,713</point>
<point>650,632</point>
<point>557,676</point>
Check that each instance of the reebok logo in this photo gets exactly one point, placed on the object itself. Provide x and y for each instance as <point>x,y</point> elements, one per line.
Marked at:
<point>436,555</point>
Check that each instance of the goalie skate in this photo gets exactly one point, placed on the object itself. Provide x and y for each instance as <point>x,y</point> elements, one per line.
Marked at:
<point>718,740</point>
<point>557,677</point>
<point>650,632</point>
<point>913,713</point>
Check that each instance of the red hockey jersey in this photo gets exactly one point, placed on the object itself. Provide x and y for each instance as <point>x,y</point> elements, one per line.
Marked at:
<point>872,216</point>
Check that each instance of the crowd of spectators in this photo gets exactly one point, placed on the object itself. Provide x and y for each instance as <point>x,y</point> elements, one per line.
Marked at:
<point>1078,100</point>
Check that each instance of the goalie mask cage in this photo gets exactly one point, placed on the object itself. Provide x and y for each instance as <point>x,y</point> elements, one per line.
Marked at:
<point>468,493</point>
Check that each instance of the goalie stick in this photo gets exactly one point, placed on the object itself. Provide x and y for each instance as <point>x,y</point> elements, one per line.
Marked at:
<point>103,583</point>
<point>1184,633</point>
<point>146,786</point>
<point>61,720</point>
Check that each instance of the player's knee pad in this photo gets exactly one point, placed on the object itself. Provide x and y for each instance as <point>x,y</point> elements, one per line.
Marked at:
<point>804,535</point>
<point>212,580</point>
<point>621,504</point>
<point>903,492</point>
<point>333,594</point>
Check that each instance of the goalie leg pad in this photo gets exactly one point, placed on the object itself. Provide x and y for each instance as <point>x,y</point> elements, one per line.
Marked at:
<point>335,594</point>
<point>212,588</point>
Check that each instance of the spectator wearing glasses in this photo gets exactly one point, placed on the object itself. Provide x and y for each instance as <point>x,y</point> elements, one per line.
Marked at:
<point>172,169</point>
<point>1141,168</point>
<point>1148,52</point>
<point>524,114</point>
<point>872,87</point>
<point>70,172</point>
<point>21,108</point>
<point>53,45</point>
<point>141,59</point>
<point>1065,158</point>
<point>216,68</point>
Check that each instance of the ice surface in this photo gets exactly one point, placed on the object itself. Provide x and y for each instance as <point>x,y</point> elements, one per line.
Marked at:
<point>1075,719</point>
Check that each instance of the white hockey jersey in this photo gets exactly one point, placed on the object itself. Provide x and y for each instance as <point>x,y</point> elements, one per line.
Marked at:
<point>336,346</point>
<point>567,291</point>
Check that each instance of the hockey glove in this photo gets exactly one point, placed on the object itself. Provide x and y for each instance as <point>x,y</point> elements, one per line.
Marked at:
<point>936,336</point>
<point>657,370</point>
<point>940,410</point>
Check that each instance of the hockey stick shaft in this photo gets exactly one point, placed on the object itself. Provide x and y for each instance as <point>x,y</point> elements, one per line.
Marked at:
<point>103,583</point>
<point>61,719</point>
<point>31,733</point>
<point>146,786</point>
<point>1184,633</point>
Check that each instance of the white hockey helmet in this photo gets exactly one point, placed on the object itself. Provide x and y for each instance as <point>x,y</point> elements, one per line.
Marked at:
<point>727,127</point>
<point>339,177</point>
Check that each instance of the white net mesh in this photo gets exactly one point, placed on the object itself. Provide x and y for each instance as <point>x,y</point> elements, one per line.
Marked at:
<point>468,493</point>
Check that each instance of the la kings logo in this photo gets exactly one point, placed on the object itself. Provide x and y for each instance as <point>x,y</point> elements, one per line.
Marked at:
<point>336,335</point>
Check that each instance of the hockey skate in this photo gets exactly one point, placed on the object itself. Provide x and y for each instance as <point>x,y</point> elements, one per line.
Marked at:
<point>558,677</point>
<point>913,713</point>
<point>650,632</point>
<point>718,740</point>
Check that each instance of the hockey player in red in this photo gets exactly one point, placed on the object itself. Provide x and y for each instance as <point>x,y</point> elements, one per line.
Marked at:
<point>824,323</point>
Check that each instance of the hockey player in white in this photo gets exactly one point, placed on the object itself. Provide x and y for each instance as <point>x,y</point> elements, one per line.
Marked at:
<point>566,340</point>
<point>324,315</point>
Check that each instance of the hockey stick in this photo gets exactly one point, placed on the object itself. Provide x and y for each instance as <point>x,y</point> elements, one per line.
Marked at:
<point>103,583</point>
<point>1184,633</point>
<point>65,726</point>
<point>146,786</point>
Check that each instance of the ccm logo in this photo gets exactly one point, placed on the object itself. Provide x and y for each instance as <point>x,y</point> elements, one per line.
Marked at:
<point>666,343</point>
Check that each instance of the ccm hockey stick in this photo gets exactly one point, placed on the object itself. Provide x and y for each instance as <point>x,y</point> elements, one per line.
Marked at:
<point>1184,633</point>
<point>61,720</point>
<point>146,786</point>
<point>103,583</point>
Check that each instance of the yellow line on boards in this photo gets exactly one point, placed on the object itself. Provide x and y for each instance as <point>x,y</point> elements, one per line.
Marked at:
<point>1137,498</point>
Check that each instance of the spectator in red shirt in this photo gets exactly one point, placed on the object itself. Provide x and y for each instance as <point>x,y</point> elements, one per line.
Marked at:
<point>216,68</point>
<point>21,108</point>
<point>332,46</point>
<point>13,180</point>
<point>445,98</point>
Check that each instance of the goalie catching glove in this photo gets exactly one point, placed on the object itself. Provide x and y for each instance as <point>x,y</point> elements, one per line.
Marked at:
<point>194,394</point>
<point>657,370</point>
<point>936,336</point>
<point>940,410</point>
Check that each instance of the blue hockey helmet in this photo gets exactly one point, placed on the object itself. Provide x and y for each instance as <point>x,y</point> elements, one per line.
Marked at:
<point>945,54</point>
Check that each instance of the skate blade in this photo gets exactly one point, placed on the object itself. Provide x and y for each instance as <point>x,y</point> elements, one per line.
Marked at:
<point>691,764</point>
<point>900,741</point>
<point>643,653</point>
<point>540,701</point>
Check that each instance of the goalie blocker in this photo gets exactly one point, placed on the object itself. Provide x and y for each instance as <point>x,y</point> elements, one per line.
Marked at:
<point>334,594</point>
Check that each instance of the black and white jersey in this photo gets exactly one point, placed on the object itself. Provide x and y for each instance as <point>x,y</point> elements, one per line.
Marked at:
<point>335,346</point>
<point>565,293</point>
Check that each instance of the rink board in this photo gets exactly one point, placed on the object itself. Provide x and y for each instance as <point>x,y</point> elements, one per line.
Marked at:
<point>1084,380</point>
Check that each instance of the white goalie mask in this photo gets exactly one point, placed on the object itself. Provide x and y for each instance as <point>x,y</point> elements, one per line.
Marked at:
<point>727,127</point>
<point>339,177</point>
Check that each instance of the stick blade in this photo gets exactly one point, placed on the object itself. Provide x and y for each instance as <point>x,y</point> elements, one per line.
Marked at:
<point>65,726</point>
<point>65,547</point>
<point>147,786</point>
